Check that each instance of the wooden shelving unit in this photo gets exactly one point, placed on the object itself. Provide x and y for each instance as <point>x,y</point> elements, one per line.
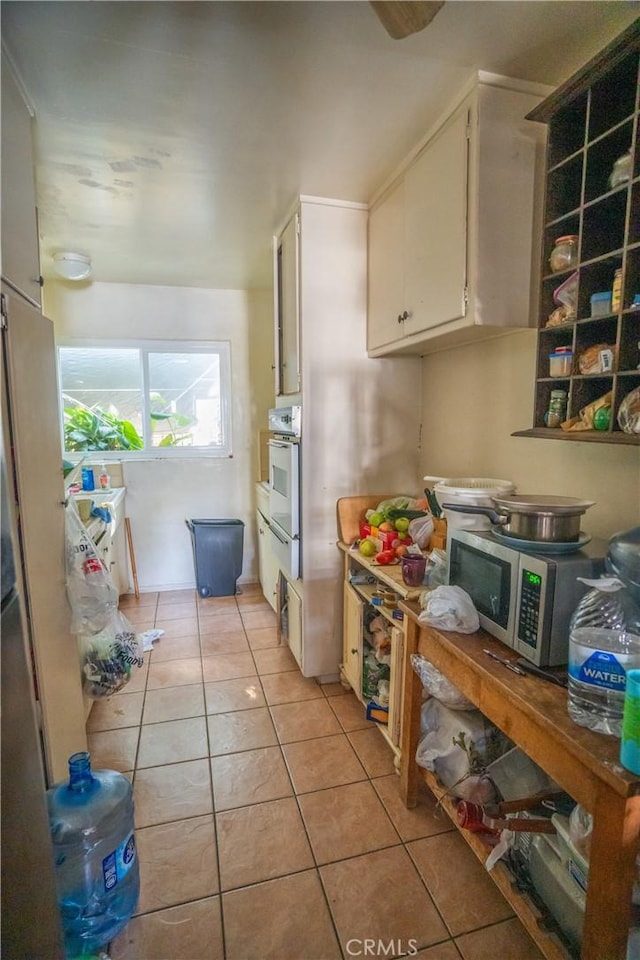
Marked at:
<point>585,764</point>
<point>593,120</point>
<point>534,920</point>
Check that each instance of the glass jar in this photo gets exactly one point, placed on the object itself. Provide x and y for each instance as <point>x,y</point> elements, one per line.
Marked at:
<point>564,255</point>
<point>557,411</point>
<point>616,291</point>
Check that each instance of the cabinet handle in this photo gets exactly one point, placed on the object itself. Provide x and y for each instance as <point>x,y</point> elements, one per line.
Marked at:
<point>38,280</point>
<point>403,316</point>
<point>399,318</point>
<point>354,650</point>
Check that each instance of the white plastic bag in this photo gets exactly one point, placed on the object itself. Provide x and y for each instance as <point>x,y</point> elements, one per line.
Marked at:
<point>91,591</point>
<point>437,685</point>
<point>450,608</point>
<point>420,531</point>
<point>458,745</point>
<point>109,657</point>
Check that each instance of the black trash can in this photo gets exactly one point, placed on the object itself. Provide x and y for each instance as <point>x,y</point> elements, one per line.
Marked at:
<point>217,555</point>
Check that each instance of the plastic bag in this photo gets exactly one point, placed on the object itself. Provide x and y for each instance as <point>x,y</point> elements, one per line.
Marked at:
<point>108,657</point>
<point>373,673</point>
<point>91,591</point>
<point>580,828</point>
<point>436,572</point>
<point>420,531</point>
<point>458,746</point>
<point>450,608</point>
<point>437,685</point>
<point>397,503</point>
<point>629,412</point>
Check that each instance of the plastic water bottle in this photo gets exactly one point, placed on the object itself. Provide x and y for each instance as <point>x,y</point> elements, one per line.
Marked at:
<point>598,663</point>
<point>96,865</point>
<point>609,604</point>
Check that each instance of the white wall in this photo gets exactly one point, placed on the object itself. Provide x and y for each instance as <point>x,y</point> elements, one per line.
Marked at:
<point>161,494</point>
<point>474,397</point>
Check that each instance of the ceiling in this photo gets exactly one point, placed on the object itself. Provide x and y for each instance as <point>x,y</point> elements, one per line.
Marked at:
<point>173,137</point>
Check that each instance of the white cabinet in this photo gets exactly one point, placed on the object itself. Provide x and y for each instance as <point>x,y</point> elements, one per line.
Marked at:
<point>289,608</point>
<point>435,229</point>
<point>20,249</point>
<point>352,636</point>
<point>352,437</point>
<point>357,600</point>
<point>450,243</point>
<point>294,606</point>
<point>267,562</point>
<point>287,310</point>
<point>386,269</point>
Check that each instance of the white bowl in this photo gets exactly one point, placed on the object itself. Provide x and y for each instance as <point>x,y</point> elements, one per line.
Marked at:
<point>470,491</point>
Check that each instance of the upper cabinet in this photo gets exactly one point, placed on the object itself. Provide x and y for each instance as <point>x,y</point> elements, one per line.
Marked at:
<point>588,342</point>
<point>450,242</point>
<point>287,309</point>
<point>20,248</point>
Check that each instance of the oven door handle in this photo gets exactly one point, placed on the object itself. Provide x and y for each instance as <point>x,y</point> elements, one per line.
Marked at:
<point>282,444</point>
<point>284,538</point>
<point>274,530</point>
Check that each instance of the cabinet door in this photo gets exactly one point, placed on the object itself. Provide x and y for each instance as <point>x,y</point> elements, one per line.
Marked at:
<point>386,270</point>
<point>394,728</point>
<point>288,305</point>
<point>352,639</point>
<point>295,623</point>
<point>435,237</point>
<point>267,563</point>
<point>20,250</point>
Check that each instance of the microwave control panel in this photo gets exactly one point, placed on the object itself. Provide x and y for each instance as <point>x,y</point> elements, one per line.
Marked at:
<point>529,616</point>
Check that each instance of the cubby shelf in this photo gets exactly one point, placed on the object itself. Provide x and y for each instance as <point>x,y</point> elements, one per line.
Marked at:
<point>593,121</point>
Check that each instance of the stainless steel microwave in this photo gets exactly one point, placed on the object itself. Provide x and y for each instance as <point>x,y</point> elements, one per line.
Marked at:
<point>524,599</point>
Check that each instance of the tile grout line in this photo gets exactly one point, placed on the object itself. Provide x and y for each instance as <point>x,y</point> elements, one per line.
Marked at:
<point>368,778</point>
<point>213,801</point>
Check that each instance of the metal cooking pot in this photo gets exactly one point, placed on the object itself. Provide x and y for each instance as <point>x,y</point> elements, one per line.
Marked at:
<point>539,519</point>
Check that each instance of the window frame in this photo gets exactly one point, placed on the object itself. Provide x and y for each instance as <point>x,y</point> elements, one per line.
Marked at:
<point>144,348</point>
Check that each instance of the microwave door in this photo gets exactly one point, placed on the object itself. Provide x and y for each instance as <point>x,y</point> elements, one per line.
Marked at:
<point>489,578</point>
<point>284,477</point>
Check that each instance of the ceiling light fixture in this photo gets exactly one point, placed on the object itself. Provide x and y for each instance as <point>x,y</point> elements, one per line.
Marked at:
<point>72,266</point>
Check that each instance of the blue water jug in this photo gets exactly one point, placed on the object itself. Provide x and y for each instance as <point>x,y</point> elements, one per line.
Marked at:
<point>96,867</point>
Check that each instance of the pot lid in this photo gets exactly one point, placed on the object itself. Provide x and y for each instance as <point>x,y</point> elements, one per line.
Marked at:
<point>542,504</point>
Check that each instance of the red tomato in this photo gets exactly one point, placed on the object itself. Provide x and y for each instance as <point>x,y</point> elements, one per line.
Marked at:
<point>386,556</point>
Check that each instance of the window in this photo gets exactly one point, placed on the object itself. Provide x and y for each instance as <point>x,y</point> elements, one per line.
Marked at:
<point>162,398</point>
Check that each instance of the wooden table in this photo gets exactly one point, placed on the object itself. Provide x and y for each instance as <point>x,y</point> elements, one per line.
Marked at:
<point>533,713</point>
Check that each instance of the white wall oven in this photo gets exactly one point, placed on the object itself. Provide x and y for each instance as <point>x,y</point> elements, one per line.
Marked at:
<point>284,490</point>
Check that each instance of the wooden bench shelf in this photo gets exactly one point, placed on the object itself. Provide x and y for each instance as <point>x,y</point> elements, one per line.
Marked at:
<point>534,715</point>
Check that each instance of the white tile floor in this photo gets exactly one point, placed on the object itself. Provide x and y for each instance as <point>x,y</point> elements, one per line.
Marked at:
<point>269,822</point>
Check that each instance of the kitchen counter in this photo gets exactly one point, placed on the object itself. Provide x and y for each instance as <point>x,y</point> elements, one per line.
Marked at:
<point>585,764</point>
<point>95,527</point>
